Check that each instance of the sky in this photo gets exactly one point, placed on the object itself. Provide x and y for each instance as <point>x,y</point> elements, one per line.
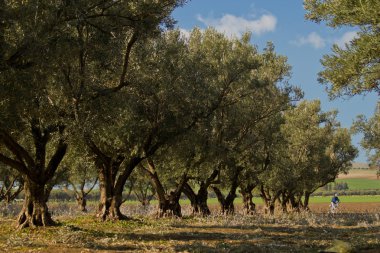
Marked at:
<point>302,41</point>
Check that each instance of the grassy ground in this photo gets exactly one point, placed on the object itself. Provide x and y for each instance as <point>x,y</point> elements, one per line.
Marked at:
<point>356,227</point>
<point>284,233</point>
<point>360,183</point>
<point>316,199</point>
<point>294,232</point>
<point>347,199</point>
<point>359,179</point>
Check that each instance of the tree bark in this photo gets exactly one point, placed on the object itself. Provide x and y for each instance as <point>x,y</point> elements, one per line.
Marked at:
<point>305,205</point>
<point>82,202</point>
<point>34,211</point>
<point>36,170</point>
<point>198,201</point>
<point>110,195</point>
<point>246,192</point>
<point>269,200</point>
<point>168,203</point>
<point>227,203</point>
<point>112,180</point>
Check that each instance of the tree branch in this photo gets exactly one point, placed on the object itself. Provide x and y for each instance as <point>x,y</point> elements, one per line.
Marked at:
<point>55,160</point>
<point>16,148</point>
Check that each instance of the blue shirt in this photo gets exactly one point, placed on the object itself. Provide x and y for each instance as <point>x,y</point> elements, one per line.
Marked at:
<point>335,200</point>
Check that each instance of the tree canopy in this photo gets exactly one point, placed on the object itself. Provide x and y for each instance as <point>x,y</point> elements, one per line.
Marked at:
<point>354,69</point>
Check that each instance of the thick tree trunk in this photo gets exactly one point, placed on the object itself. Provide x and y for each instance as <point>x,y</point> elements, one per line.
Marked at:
<point>269,200</point>
<point>168,203</point>
<point>227,203</point>
<point>249,206</point>
<point>110,197</point>
<point>198,201</point>
<point>34,211</point>
<point>169,206</point>
<point>202,197</point>
<point>284,200</point>
<point>295,201</point>
<point>109,208</point>
<point>82,202</point>
<point>36,170</point>
<point>305,205</point>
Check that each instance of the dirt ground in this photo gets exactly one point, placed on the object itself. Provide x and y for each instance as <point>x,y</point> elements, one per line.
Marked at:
<point>348,207</point>
<point>356,225</point>
<point>306,232</point>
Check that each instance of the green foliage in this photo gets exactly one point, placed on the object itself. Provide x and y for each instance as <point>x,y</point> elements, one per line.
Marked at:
<point>355,68</point>
<point>371,140</point>
<point>312,152</point>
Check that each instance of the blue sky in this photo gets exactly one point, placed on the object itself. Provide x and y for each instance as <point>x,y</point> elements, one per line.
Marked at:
<point>302,41</point>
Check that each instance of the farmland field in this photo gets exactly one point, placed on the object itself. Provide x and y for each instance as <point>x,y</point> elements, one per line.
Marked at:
<point>360,183</point>
<point>360,173</point>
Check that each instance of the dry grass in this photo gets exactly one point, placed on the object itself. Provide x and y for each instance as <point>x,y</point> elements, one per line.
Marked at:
<point>300,232</point>
<point>360,173</point>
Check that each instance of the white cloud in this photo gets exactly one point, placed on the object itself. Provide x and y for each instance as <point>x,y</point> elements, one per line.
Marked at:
<point>346,39</point>
<point>312,39</point>
<point>185,33</point>
<point>236,26</point>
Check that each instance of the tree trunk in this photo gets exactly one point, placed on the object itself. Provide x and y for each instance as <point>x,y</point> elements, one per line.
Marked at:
<point>36,170</point>
<point>169,206</point>
<point>227,203</point>
<point>110,195</point>
<point>269,200</point>
<point>7,192</point>
<point>249,206</point>
<point>34,211</point>
<point>305,205</point>
<point>246,192</point>
<point>295,202</point>
<point>202,197</point>
<point>81,201</point>
<point>168,203</point>
<point>198,201</point>
<point>284,200</point>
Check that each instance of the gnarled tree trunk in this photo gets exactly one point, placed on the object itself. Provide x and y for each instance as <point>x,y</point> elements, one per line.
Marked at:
<point>199,200</point>
<point>168,203</point>
<point>36,171</point>
<point>246,192</point>
<point>81,202</point>
<point>112,180</point>
<point>305,204</point>
<point>35,211</point>
<point>81,193</point>
<point>227,203</point>
<point>269,199</point>
<point>111,192</point>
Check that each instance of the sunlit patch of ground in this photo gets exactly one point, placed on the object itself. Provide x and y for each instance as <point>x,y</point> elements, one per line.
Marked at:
<point>360,173</point>
<point>305,232</point>
<point>348,207</point>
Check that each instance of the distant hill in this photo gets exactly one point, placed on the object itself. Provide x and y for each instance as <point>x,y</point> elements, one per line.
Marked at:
<point>360,165</point>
